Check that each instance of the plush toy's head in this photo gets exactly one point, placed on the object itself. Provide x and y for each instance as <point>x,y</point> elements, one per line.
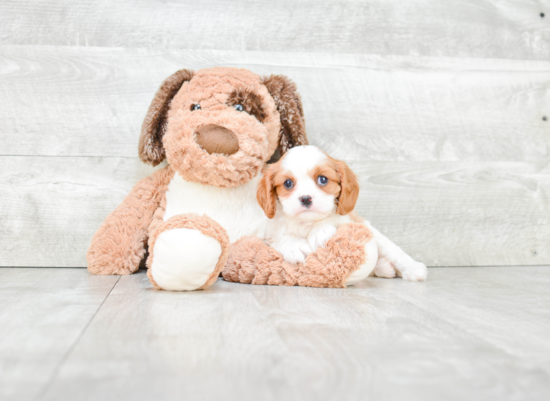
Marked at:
<point>219,126</point>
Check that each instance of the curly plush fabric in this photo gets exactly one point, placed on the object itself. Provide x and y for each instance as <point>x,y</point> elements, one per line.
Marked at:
<point>251,261</point>
<point>118,246</point>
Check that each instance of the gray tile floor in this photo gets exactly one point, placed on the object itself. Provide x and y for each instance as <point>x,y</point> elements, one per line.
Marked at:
<point>465,334</point>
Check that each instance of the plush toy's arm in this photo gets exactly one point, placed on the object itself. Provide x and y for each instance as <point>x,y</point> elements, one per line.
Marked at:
<point>118,245</point>
<point>252,262</point>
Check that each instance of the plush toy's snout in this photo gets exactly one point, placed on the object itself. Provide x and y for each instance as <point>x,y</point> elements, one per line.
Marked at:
<point>217,139</point>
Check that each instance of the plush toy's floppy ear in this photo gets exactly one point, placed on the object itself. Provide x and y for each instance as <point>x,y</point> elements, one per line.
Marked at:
<point>266,192</point>
<point>289,105</point>
<point>150,142</point>
<point>349,188</point>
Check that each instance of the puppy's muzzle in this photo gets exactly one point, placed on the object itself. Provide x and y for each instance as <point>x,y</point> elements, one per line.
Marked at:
<point>217,139</point>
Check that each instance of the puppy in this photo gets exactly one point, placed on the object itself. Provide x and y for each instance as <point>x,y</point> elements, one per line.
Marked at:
<point>307,195</point>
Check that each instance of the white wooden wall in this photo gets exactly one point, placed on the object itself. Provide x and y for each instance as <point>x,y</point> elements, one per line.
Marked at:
<point>438,105</point>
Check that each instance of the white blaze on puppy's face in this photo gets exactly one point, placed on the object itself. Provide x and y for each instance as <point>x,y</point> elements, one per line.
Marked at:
<point>309,185</point>
<point>301,191</point>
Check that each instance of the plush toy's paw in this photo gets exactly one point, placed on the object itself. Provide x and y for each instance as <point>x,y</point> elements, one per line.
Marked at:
<point>187,253</point>
<point>319,236</point>
<point>347,258</point>
<point>294,251</point>
<point>416,271</point>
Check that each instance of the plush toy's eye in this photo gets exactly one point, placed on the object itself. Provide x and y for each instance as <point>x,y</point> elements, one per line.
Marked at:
<point>195,107</point>
<point>239,107</point>
<point>322,180</point>
<point>288,184</point>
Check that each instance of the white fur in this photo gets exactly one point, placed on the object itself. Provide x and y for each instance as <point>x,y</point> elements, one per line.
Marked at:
<point>296,231</point>
<point>392,256</point>
<point>300,161</point>
<point>235,209</point>
<point>184,259</point>
<point>295,239</point>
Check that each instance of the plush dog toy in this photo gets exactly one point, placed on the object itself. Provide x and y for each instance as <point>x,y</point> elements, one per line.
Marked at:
<point>216,128</point>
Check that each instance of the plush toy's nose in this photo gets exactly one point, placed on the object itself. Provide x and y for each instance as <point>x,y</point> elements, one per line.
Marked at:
<point>217,139</point>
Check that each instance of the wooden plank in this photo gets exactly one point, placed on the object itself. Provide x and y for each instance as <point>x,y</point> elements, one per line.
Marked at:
<point>460,213</point>
<point>43,313</point>
<point>484,28</point>
<point>444,214</point>
<point>244,342</point>
<point>481,300</point>
<point>61,101</point>
<point>52,206</point>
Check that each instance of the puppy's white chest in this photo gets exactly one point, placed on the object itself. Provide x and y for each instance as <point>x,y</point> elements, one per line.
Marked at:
<point>235,209</point>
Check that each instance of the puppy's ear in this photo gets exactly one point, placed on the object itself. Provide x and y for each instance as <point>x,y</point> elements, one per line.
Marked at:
<point>154,125</point>
<point>266,195</point>
<point>289,106</point>
<point>349,188</point>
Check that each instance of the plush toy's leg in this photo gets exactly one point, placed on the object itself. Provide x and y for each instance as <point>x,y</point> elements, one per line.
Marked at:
<point>118,245</point>
<point>251,261</point>
<point>365,270</point>
<point>187,252</point>
<point>392,255</point>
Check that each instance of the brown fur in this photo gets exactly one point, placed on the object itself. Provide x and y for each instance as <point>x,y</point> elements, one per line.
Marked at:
<point>253,262</point>
<point>273,117</point>
<point>251,102</point>
<point>271,187</point>
<point>278,181</point>
<point>333,186</point>
<point>265,195</point>
<point>119,244</point>
<point>154,125</point>
<point>349,187</point>
<point>211,89</point>
<point>289,105</point>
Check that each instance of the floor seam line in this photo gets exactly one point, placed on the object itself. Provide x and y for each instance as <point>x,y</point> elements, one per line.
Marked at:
<point>73,346</point>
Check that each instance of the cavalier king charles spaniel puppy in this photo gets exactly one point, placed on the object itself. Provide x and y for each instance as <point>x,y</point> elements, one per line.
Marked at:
<point>307,195</point>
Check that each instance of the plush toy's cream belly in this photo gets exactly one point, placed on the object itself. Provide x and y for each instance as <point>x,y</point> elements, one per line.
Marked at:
<point>235,209</point>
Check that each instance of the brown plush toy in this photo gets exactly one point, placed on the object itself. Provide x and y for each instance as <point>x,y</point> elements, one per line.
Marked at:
<point>217,128</point>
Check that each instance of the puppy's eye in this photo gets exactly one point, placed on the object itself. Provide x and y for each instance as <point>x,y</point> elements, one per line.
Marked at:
<point>322,180</point>
<point>195,107</point>
<point>239,107</point>
<point>288,184</point>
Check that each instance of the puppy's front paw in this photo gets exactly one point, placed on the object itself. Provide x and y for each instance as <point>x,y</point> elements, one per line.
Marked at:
<point>415,272</point>
<point>295,251</point>
<point>319,236</point>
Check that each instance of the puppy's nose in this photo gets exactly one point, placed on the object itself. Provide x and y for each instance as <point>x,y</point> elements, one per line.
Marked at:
<point>305,200</point>
<point>217,139</point>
